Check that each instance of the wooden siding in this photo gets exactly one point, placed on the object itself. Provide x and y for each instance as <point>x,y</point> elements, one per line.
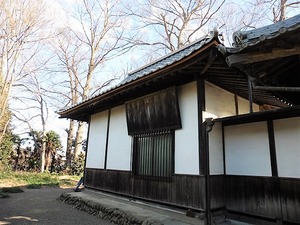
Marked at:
<point>186,191</point>
<point>217,187</point>
<point>108,180</point>
<point>265,197</point>
<point>183,190</point>
<point>290,198</point>
<point>257,196</point>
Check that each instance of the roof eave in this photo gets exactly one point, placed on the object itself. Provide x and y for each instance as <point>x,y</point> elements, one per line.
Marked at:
<point>86,106</point>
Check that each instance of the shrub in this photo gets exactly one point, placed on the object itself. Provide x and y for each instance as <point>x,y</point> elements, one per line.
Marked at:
<point>77,166</point>
<point>6,149</point>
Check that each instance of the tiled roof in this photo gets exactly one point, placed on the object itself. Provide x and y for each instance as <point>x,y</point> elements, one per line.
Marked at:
<point>159,64</point>
<point>244,39</point>
<point>168,59</point>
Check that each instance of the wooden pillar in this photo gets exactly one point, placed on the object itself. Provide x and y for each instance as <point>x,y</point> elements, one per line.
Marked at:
<point>208,127</point>
<point>86,150</point>
<point>236,103</point>
<point>274,166</point>
<point>201,127</point>
<point>250,94</point>
<point>272,148</point>
<point>107,139</point>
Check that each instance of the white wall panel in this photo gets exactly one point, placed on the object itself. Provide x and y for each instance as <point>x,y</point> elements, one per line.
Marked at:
<point>247,149</point>
<point>221,103</point>
<point>119,142</point>
<point>244,107</point>
<point>218,101</point>
<point>287,142</point>
<point>186,139</point>
<point>216,150</point>
<point>97,140</point>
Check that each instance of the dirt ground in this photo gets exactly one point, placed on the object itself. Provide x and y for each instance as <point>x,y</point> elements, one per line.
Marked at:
<point>40,206</point>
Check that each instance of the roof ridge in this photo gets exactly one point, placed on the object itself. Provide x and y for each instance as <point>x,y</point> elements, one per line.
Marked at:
<point>208,36</point>
<point>242,39</point>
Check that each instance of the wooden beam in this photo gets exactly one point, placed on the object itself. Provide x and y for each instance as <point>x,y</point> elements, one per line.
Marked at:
<point>211,58</point>
<point>272,88</point>
<point>248,58</point>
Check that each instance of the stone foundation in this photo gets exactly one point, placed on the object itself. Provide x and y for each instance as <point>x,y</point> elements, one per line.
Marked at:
<point>113,215</point>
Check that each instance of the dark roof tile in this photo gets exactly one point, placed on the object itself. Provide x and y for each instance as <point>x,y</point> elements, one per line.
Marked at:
<point>160,63</point>
<point>244,39</point>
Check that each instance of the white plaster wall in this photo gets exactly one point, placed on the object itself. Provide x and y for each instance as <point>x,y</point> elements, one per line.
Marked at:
<point>97,140</point>
<point>221,103</point>
<point>218,101</point>
<point>119,142</point>
<point>186,139</point>
<point>287,142</point>
<point>216,150</point>
<point>244,106</point>
<point>247,149</point>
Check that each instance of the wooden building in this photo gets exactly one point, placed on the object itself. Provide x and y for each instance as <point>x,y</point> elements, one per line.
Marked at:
<point>207,128</point>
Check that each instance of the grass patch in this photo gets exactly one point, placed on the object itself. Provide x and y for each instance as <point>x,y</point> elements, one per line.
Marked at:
<point>34,180</point>
<point>45,179</point>
<point>67,182</point>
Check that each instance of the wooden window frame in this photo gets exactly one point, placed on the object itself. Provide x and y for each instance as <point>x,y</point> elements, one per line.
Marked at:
<point>147,165</point>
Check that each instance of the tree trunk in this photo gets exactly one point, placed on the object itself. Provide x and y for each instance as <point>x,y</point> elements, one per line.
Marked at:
<point>70,143</point>
<point>78,140</point>
<point>42,155</point>
<point>47,161</point>
<point>282,10</point>
<point>43,149</point>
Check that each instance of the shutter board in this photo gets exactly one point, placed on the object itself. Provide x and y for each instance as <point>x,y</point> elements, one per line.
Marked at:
<point>156,111</point>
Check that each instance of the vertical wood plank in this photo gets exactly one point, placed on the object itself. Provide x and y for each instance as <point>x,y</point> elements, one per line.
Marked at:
<point>290,197</point>
<point>201,133</point>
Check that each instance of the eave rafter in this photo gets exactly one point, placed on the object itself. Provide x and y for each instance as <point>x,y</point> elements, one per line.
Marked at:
<point>249,58</point>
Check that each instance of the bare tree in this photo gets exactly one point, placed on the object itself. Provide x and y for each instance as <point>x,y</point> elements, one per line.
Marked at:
<point>32,99</point>
<point>174,23</point>
<point>280,7</point>
<point>70,53</point>
<point>21,22</point>
<point>98,39</point>
<point>236,16</point>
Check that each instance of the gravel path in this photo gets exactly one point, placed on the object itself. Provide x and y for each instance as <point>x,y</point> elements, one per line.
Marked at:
<point>40,206</point>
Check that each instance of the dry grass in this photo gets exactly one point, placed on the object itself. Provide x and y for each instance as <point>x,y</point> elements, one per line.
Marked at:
<point>10,182</point>
<point>33,179</point>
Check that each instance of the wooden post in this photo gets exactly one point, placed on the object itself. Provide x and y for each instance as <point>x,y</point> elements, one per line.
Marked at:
<point>201,127</point>
<point>86,151</point>
<point>250,93</point>
<point>208,127</point>
<point>236,102</point>
<point>107,139</point>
